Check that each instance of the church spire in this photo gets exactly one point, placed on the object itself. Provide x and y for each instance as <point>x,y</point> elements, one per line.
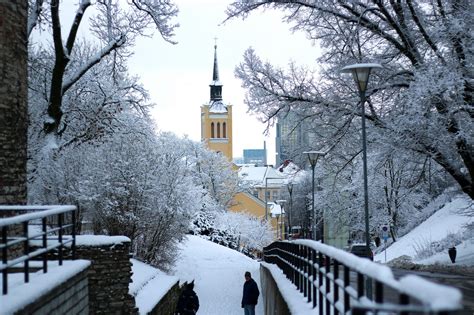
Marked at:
<point>215,73</point>
<point>216,85</point>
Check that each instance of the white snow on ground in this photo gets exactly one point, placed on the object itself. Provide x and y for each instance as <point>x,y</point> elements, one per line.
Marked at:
<point>218,274</point>
<point>465,255</point>
<point>443,222</point>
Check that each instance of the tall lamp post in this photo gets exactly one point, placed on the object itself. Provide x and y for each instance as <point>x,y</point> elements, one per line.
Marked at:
<point>361,73</point>
<point>313,157</point>
<point>290,208</point>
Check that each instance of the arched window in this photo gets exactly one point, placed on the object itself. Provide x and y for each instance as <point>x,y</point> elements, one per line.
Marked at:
<point>224,130</point>
<point>218,130</point>
<point>212,130</point>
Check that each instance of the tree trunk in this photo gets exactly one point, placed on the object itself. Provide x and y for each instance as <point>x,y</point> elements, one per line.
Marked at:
<point>13,101</point>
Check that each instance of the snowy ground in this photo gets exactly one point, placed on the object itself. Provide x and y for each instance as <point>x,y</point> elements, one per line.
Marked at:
<point>218,274</point>
<point>443,222</point>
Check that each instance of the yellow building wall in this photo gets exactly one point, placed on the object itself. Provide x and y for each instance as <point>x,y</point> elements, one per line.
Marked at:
<point>245,202</point>
<point>223,145</point>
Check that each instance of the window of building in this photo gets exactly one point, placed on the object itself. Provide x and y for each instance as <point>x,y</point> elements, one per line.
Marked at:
<point>224,131</point>
<point>212,130</point>
<point>218,130</point>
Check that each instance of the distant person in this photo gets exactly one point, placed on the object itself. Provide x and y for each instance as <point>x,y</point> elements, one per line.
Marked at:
<point>188,302</point>
<point>452,254</point>
<point>250,295</point>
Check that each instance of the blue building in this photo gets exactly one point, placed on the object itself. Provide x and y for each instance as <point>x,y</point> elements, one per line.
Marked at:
<point>254,156</point>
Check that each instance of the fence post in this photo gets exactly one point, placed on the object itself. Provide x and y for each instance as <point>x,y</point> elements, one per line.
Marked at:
<point>73,245</point>
<point>360,285</point>
<point>335,293</point>
<point>320,283</point>
<point>314,283</point>
<point>378,292</point>
<point>347,283</point>
<point>310,271</point>
<point>60,239</point>
<point>305,271</point>
<point>4,260</point>
<point>26,263</point>
<point>327,268</point>
<point>45,244</point>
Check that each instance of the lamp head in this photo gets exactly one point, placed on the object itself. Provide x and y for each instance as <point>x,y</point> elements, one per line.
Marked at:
<point>313,156</point>
<point>360,73</point>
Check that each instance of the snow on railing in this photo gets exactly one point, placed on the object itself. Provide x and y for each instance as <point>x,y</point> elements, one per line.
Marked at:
<point>336,281</point>
<point>15,240</point>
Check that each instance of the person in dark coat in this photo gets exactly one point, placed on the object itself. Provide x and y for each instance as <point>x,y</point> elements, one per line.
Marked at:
<point>188,302</point>
<point>250,295</point>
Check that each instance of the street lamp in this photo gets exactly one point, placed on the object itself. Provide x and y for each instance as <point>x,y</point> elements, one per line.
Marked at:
<point>361,73</point>
<point>313,157</point>
<point>290,191</point>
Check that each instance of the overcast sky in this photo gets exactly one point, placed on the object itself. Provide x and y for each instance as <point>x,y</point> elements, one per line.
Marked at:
<point>178,76</point>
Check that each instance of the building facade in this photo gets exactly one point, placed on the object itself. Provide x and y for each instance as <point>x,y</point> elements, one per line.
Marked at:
<point>254,156</point>
<point>293,136</point>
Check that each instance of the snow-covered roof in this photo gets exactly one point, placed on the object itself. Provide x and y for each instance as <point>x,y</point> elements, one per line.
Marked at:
<point>258,174</point>
<point>217,107</point>
<point>291,171</point>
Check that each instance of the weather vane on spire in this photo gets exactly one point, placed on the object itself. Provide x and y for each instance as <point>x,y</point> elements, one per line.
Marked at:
<point>215,42</point>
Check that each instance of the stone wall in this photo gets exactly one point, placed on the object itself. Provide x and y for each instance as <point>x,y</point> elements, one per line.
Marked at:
<point>70,298</point>
<point>109,277</point>
<point>168,303</point>
<point>274,303</point>
<point>13,101</point>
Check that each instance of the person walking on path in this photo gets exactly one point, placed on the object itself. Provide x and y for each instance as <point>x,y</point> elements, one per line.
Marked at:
<point>250,295</point>
<point>188,302</point>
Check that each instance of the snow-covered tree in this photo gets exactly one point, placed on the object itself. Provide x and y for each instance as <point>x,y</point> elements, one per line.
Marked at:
<point>215,174</point>
<point>420,103</point>
<point>115,27</point>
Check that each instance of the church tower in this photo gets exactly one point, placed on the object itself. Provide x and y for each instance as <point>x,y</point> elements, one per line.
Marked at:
<point>216,117</point>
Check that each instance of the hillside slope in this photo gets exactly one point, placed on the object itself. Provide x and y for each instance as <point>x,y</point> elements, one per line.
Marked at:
<point>433,233</point>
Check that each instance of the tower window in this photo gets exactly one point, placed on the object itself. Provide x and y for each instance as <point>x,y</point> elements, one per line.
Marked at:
<point>212,130</point>
<point>224,131</point>
<point>218,130</point>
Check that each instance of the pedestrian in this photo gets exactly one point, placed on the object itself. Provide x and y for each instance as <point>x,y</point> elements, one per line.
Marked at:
<point>188,302</point>
<point>452,254</point>
<point>250,295</point>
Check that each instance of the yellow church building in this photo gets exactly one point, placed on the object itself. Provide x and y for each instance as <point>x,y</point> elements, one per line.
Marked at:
<point>216,118</point>
<point>216,132</point>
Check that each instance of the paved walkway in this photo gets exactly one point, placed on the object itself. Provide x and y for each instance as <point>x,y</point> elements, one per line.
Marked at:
<point>218,274</point>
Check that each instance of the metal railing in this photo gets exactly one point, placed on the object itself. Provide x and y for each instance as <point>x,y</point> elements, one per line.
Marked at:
<point>336,282</point>
<point>57,229</point>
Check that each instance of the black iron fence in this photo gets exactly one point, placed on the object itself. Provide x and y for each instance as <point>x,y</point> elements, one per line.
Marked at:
<point>337,282</point>
<point>31,233</point>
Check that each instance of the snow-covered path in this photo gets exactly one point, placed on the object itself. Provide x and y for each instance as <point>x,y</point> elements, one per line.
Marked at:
<point>218,274</point>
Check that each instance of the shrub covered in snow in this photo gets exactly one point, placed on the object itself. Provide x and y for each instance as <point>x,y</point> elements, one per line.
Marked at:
<point>238,231</point>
